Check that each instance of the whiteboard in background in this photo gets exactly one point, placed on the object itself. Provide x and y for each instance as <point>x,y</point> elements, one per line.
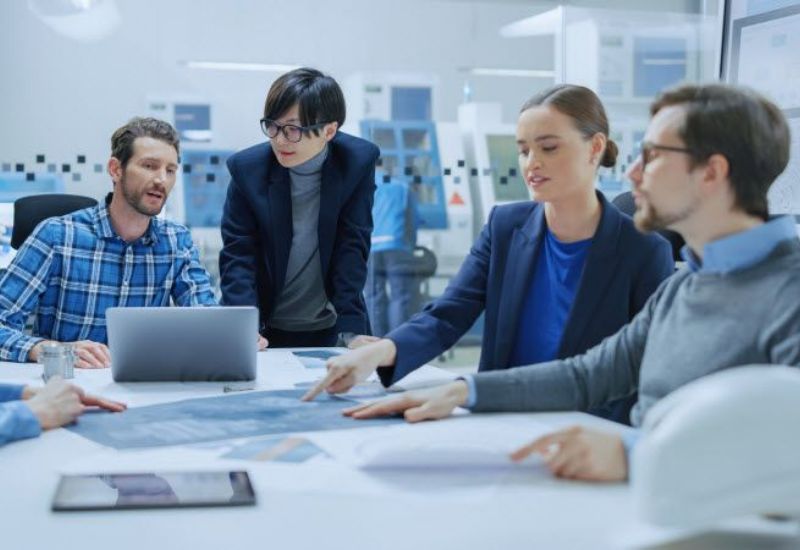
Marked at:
<point>762,51</point>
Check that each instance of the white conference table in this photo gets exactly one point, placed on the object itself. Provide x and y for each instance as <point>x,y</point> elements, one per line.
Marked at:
<point>319,504</point>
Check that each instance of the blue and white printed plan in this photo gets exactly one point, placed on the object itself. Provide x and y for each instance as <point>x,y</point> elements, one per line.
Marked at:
<point>218,418</point>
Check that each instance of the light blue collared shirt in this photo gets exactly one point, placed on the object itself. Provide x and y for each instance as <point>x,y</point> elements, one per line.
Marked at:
<point>17,421</point>
<point>726,255</point>
<point>472,393</point>
<point>741,250</point>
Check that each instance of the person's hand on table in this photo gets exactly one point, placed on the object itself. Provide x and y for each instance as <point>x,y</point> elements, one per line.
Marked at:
<point>88,354</point>
<point>348,369</point>
<point>580,453</point>
<point>428,404</point>
<point>262,343</point>
<point>91,355</point>
<point>59,403</point>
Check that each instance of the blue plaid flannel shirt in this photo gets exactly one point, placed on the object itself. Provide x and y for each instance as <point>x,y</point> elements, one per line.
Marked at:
<point>72,268</point>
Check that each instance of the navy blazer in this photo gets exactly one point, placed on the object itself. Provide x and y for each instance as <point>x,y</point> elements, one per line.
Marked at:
<point>623,268</point>
<point>257,229</point>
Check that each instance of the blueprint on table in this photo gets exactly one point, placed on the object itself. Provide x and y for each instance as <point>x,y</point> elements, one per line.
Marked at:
<point>322,354</point>
<point>315,358</point>
<point>216,418</point>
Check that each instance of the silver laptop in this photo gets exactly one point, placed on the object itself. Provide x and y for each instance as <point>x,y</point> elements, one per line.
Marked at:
<point>156,344</point>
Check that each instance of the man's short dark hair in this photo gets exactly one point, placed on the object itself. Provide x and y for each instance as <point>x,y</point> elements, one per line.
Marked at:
<point>122,140</point>
<point>318,97</point>
<point>747,129</point>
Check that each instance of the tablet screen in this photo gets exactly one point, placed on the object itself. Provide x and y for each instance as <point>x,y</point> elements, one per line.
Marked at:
<point>153,490</point>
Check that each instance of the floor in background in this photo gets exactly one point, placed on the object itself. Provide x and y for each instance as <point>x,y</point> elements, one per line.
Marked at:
<point>459,360</point>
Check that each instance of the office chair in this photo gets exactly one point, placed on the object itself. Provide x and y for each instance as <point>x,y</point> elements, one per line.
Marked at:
<point>624,201</point>
<point>29,211</point>
<point>425,265</point>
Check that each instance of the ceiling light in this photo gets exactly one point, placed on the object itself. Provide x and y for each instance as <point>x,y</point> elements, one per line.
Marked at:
<point>82,20</point>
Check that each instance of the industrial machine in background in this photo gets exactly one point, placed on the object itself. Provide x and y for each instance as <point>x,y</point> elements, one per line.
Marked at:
<point>462,170</point>
<point>626,57</point>
<point>459,169</point>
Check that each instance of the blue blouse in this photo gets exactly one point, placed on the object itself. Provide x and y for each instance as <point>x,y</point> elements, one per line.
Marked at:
<point>548,301</point>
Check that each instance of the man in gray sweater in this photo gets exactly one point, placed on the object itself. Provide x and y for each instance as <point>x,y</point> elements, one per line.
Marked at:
<point>709,156</point>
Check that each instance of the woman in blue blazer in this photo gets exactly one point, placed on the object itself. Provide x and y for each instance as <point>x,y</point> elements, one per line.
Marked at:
<point>554,276</point>
<point>297,219</point>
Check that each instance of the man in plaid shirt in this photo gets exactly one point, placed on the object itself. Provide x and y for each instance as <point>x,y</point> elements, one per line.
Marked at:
<point>72,268</point>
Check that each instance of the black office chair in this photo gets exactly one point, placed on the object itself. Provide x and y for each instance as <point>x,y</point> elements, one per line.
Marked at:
<point>424,268</point>
<point>29,211</point>
<point>624,201</point>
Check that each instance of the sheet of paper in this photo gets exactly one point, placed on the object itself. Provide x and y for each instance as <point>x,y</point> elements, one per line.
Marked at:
<point>280,448</point>
<point>316,358</point>
<point>461,441</point>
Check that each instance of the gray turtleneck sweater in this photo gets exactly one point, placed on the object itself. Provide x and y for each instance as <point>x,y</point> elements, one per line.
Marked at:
<point>303,304</point>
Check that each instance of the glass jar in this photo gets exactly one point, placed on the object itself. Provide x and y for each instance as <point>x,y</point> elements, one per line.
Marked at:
<point>57,359</point>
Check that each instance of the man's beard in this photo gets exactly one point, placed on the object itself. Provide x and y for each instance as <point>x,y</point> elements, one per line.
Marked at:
<point>647,218</point>
<point>136,198</point>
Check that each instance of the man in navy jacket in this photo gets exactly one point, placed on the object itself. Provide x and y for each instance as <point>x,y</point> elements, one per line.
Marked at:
<point>297,220</point>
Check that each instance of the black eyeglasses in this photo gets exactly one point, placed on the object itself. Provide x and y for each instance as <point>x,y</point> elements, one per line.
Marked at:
<point>292,132</point>
<point>647,149</point>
